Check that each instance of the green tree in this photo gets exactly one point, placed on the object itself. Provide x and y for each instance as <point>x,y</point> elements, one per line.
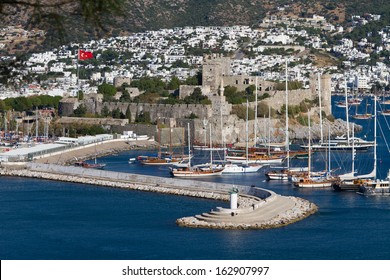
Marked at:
<point>192,116</point>
<point>128,113</point>
<point>180,64</point>
<point>35,101</point>
<point>108,91</point>
<point>240,111</point>
<point>80,95</point>
<point>250,90</point>
<point>80,111</point>
<point>116,113</point>
<point>174,83</point>
<point>197,98</point>
<point>143,117</point>
<point>125,97</point>
<point>58,13</point>
<point>109,56</point>
<point>147,97</point>
<point>105,111</point>
<point>3,107</point>
<point>149,84</point>
<point>238,97</point>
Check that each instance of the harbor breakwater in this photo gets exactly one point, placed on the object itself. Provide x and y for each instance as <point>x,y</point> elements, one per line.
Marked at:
<point>257,208</point>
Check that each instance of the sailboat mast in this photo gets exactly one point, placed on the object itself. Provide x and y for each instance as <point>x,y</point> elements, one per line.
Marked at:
<point>320,104</point>
<point>170,141</point>
<point>246,130</point>
<point>346,109</point>
<point>159,137</point>
<point>36,124</point>
<point>255,132</point>
<point>375,157</point>
<point>189,145</point>
<point>309,158</point>
<point>211,150</point>
<point>5,125</point>
<point>205,132</point>
<point>95,153</point>
<point>287,133</point>
<point>269,130</point>
<point>329,168</point>
<point>222,138</point>
<point>222,89</point>
<point>353,149</point>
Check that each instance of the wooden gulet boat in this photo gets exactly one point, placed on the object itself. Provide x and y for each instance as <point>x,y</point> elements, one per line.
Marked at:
<point>196,171</point>
<point>309,181</point>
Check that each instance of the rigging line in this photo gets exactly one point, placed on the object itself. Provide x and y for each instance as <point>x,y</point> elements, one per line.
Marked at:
<point>387,123</point>
<point>383,136</point>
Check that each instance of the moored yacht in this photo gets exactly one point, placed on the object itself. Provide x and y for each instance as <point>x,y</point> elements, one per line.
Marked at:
<point>198,170</point>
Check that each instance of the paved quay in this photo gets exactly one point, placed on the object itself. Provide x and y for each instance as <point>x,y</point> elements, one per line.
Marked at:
<point>257,208</point>
<point>90,151</point>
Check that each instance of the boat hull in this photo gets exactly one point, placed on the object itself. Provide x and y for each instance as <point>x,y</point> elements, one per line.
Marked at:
<point>234,169</point>
<point>195,174</point>
<point>313,184</point>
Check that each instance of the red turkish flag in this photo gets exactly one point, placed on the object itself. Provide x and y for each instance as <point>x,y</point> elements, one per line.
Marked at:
<point>83,55</point>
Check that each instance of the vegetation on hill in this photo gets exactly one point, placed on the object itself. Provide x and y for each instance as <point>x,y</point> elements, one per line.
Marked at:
<point>22,103</point>
<point>81,20</point>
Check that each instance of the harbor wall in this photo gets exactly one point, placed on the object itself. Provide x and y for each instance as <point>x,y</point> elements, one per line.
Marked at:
<point>257,208</point>
<point>143,179</point>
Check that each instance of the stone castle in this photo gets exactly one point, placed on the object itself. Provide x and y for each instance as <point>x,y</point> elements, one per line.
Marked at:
<point>226,127</point>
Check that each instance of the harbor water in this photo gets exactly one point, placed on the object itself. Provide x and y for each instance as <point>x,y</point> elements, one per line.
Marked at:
<point>43,219</point>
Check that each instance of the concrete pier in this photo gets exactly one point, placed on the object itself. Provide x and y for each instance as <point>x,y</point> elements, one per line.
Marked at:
<point>257,208</point>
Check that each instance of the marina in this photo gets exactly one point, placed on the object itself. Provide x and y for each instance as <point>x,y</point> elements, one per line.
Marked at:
<point>78,221</point>
<point>146,217</point>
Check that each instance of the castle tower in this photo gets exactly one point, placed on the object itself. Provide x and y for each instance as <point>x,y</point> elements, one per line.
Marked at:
<point>214,67</point>
<point>325,91</point>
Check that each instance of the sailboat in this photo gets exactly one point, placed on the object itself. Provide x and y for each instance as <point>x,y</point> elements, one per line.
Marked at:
<point>367,184</point>
<point>284,173</point>
<point>246,157</point>
<point>198,170</point>
<point>374,186</point>
<point>245,167</point>
<point>94,165</point>
<point>343,142</point>
<point>161,158</point>
<point>310,181</point>
<point>349,181</point>
<point>365,116</point>
<point>385,112</point>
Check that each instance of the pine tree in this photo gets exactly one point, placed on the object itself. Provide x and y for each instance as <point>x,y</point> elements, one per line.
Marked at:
<point>128,113</point>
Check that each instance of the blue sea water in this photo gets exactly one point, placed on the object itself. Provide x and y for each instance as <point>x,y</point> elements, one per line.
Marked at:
<point>43,219</point>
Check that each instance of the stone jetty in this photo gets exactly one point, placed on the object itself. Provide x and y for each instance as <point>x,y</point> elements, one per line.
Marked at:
<point>257,208</point>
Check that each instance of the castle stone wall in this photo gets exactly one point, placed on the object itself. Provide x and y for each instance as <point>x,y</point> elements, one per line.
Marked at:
<point>241,82</point>
<point>186,90</point>
<point>158,110</point>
